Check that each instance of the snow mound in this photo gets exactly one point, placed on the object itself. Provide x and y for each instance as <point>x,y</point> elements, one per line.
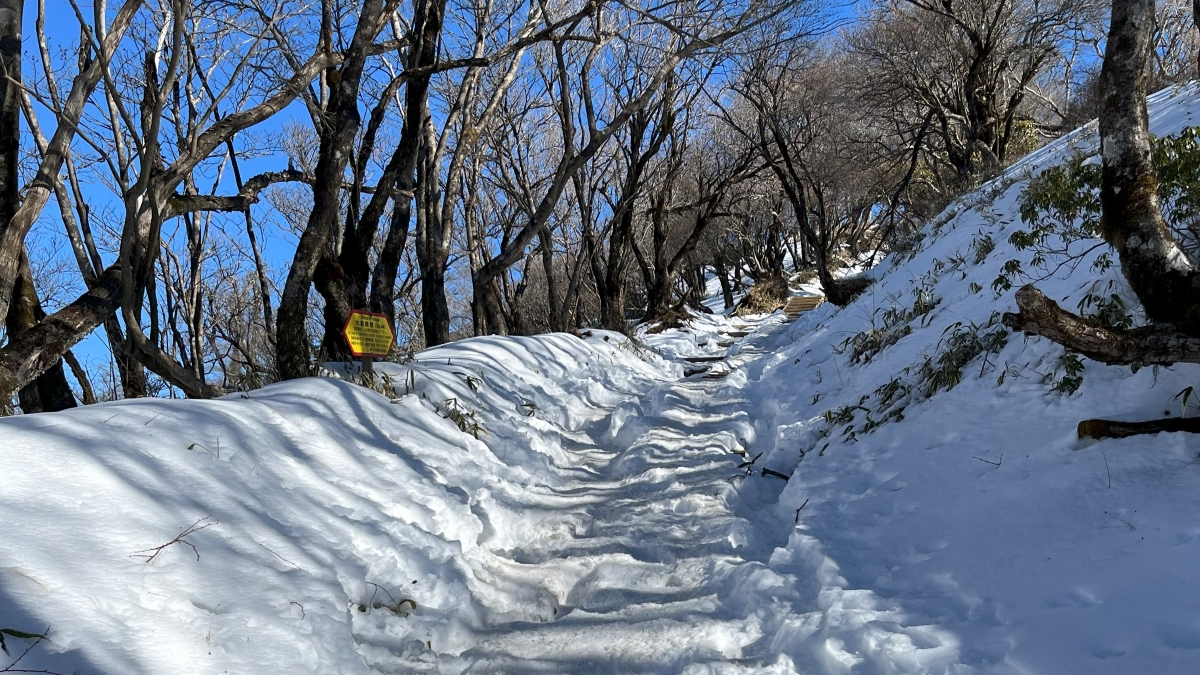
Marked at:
<point>320,526</point>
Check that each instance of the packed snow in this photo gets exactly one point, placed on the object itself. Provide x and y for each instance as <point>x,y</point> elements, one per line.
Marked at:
<point>599,504</point>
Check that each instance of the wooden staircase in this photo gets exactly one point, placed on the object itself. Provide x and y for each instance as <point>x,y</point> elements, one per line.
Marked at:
<point>798,304</point>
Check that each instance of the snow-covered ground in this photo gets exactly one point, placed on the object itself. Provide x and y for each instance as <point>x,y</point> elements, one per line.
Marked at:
<point>584,505</point>
<point>978,534</point>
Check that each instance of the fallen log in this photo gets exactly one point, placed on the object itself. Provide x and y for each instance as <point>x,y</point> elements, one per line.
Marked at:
<point>1112,429</point>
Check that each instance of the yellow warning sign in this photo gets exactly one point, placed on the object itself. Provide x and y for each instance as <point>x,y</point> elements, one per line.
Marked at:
<point>368,334</point>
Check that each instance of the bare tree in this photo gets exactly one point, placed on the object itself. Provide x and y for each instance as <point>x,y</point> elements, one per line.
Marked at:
<point>829,165</point>
<point>687,33</point>
<point>972,66</point>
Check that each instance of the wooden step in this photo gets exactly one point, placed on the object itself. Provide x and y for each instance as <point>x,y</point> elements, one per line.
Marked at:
<point>797,305</point>
<point>705,359</point>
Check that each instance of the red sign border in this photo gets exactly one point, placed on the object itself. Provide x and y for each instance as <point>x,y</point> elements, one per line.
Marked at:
<point>346,336</point>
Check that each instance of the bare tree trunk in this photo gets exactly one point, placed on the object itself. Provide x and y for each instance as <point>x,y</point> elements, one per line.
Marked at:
<point>1156,267</point>
<point>50,391</point>
<point>726,286</point>
<point>341,124</point>
<point>1196,20</point>
<point>546,245</point>
<point>1160,273</point>
<point>36,350</point>
<point>85,384</point>
<point>433,243</point>
<point>130,370</point>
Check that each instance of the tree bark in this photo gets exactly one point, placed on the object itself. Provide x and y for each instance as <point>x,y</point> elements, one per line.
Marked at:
<point>1157,269</point>
<point>1196,21</point>
<point>85,384</point>
<point>546,246</point>
<point>38,349</point>
<point>50,391</point>
<point>1145,346</point>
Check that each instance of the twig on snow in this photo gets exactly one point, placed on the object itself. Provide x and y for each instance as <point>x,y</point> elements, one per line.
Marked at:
<point>750,462</point>
<point>1120,519</point>
<point>150,554</point>
<point>801,509</point>
<point>281,558</point>
<point>396,607</point>
<point>985,461</point>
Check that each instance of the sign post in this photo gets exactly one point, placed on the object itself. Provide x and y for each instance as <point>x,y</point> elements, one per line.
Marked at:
<point>368,336</point>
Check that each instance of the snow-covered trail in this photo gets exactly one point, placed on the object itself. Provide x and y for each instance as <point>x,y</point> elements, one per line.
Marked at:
<point>600,521</point>
<point>657,562</point>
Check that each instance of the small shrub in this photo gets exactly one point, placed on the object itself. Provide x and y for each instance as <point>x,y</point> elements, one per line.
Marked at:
<point>453,410</point>
<point>1108,311</point>
<point>895,325</point>
<point>983,245</point>
<point>1004,281</point>
<point>378,382</point>
<point>960,346</point>
<point>764,297</point>
<point>1072,379</point>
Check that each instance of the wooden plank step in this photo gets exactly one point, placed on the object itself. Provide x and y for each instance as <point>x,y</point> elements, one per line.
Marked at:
<point>704,359</point>
<point>797,305</point>
<point>804,302</point>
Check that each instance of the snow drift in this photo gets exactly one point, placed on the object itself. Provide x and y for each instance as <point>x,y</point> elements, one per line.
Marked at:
<point>330,513</point>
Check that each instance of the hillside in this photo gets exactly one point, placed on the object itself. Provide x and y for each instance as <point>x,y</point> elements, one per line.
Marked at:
<point>582,504</point>
<point>970,526</point>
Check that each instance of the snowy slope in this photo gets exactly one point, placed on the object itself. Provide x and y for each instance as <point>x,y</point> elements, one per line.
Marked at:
<point>977,534</point>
